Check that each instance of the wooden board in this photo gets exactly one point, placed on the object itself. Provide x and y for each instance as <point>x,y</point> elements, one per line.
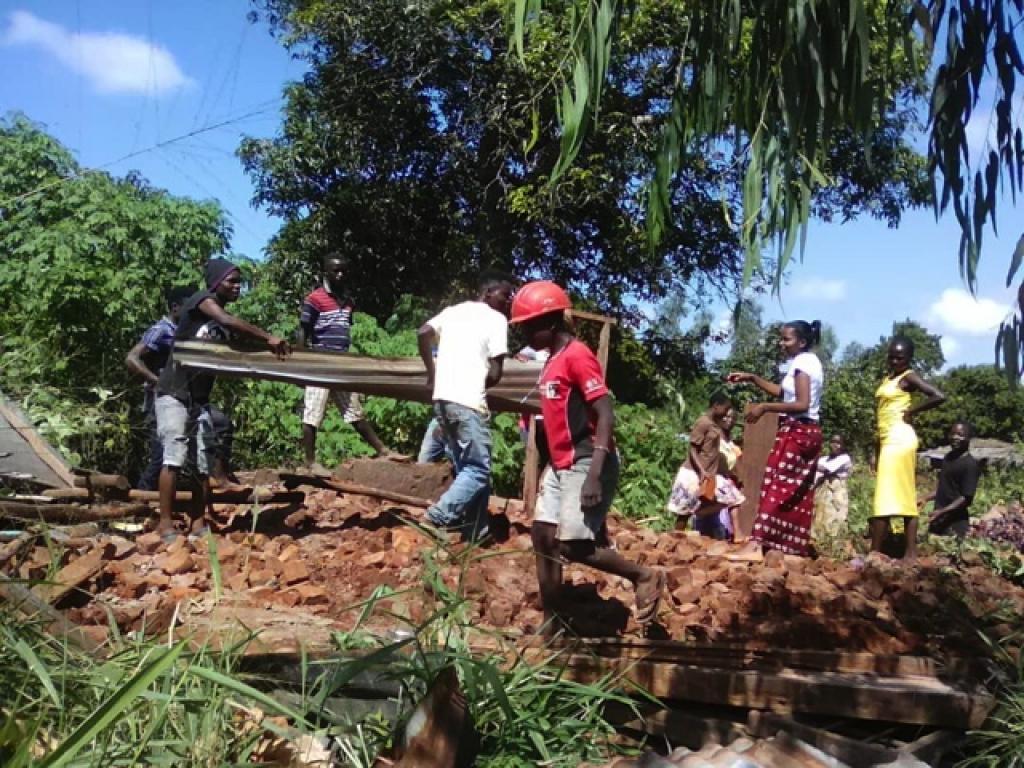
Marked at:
<point>758,440</point>
<point>869,697</point>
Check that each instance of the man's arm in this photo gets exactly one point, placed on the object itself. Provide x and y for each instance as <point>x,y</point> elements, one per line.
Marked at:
<point>135,362</point>
<point>425,340</point>
<point>495,368</point>
<point>601,410</point>
<point>216,312</point>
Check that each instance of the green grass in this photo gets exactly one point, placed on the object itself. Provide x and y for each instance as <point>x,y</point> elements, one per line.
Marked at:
<point>150,703</point>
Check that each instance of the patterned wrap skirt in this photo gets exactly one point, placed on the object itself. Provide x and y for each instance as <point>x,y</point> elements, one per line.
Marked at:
<point>786,509</point>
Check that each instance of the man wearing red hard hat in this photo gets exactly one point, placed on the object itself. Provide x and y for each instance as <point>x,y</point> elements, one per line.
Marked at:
<point>583,470</point>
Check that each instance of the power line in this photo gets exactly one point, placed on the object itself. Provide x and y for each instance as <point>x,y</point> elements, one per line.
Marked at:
<point>259,110</point>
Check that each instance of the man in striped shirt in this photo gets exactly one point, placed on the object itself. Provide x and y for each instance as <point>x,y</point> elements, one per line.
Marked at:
<point>326,324</point>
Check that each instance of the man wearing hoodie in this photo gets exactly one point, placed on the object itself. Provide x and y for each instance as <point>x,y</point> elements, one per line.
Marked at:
<point>183,417</point>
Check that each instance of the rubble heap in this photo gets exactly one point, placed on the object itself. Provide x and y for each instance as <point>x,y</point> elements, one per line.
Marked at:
<point>323,559</point>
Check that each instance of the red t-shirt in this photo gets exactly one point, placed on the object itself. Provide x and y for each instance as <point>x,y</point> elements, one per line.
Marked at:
<point>571,379</point>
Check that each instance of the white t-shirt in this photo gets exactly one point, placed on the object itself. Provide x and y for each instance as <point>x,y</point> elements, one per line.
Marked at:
<point>809,363</point>
<point>840,465</point>
<point>471,334</point>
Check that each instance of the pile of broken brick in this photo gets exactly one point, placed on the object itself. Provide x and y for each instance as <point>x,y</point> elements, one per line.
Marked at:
<point>326,557</point>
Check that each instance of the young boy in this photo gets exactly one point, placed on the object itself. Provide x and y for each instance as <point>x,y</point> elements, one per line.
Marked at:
<point>579,483</point>
<point>326,324</point>
<point>472,342</point>
<point>957,484</point>
<point>183,417</point>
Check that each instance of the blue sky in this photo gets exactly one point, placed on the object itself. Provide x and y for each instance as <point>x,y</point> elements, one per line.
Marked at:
<point>110,79</point>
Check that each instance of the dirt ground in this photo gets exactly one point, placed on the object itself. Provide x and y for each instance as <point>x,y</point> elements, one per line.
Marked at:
<point>308,570</point>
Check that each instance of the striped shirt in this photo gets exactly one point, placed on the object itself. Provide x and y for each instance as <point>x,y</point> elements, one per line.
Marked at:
<point>327,320</point>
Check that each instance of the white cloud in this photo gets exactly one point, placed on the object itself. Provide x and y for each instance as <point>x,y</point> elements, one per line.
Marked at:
<point>112,62</point>
<point>950,346</point>
<point>956,310</point>
<point>819,289</point>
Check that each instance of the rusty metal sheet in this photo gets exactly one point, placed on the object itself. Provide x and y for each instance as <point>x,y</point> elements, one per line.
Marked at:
<point>402,378</point>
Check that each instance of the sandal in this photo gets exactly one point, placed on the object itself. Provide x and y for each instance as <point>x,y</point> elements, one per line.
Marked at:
<point>647,605</point>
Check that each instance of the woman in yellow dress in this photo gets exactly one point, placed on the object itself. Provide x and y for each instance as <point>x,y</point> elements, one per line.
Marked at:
<point>895,487</point>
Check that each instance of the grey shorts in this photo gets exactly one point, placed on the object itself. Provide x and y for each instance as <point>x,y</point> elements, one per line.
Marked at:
<point>181,436</point>
<point>559,502</point>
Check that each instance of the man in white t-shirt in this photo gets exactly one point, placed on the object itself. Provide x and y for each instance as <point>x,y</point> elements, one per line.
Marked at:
<point>472,343</point>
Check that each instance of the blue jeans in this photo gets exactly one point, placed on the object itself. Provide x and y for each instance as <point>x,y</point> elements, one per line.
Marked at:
<point>468,436</point>
<point>434,446</point>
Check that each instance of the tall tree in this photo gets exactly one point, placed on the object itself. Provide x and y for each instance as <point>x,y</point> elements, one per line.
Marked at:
<point>419,145</point>
<point>792,81</point>
<point>84,260</point>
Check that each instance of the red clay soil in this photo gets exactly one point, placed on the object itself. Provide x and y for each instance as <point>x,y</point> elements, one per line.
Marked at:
<point>330,554</point>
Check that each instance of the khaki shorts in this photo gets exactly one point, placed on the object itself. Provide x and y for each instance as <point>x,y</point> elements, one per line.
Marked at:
<point>349,403</point>
<point>559,502</point>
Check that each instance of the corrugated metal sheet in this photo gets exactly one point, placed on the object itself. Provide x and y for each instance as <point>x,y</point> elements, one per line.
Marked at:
<point>402,378</point>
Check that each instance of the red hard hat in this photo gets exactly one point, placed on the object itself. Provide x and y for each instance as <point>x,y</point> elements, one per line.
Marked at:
<point>538,298</point>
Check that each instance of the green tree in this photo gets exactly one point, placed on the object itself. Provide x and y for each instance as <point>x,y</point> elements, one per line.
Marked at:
<point>85,260</point>
<point>791,83</point>
<point>420,146</point>
<point>979,395</point>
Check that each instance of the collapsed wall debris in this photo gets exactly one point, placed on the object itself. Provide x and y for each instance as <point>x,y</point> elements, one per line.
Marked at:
<point>807,639</point>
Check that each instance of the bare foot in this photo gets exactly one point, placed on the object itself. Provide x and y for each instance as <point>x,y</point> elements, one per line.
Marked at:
<point>395,456</point>
<point>649,589</point>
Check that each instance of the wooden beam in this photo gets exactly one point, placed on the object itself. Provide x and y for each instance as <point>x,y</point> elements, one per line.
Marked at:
<point>867,697</point>
<point>293,480</point>
<point>737,656</point>
<point>579,313</point>
<point>71,513</point>
<point>603,345</point>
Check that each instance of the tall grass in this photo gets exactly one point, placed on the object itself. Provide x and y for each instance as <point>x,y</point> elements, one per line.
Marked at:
<point>159,703</point>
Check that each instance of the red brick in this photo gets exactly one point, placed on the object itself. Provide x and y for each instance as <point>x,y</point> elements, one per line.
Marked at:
<point>180,561</point>
<point>290,552</point>
<point>157,579</point>
<point>311,594</point>
<point>293,571</point>
<point>273,564</point>
<point>259,576</point>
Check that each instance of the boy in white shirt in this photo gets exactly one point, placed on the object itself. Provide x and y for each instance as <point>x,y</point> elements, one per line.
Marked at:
<point>472,343</point>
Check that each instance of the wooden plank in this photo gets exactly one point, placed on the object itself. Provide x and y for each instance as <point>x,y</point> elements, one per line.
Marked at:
<point>902,700</point>
<point>79,570</point>
<point>737,656</point>
<point>531,472</point>
<point>758,440</point>
<point>40,447</point>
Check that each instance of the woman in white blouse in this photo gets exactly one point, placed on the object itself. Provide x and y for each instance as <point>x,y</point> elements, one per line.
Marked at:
<point>786,509</point>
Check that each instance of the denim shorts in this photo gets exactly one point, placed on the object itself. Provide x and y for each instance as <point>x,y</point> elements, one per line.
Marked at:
<point>559,501</point>
<point>185,440</point>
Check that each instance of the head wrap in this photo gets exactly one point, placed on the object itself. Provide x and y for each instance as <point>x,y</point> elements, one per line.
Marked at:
<point>216,271</point>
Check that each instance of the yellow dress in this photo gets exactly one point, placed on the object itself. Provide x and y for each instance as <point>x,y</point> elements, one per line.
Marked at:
<point>895,490</point>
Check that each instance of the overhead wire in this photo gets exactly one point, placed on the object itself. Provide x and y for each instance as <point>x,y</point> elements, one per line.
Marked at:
<point>258,109</point>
